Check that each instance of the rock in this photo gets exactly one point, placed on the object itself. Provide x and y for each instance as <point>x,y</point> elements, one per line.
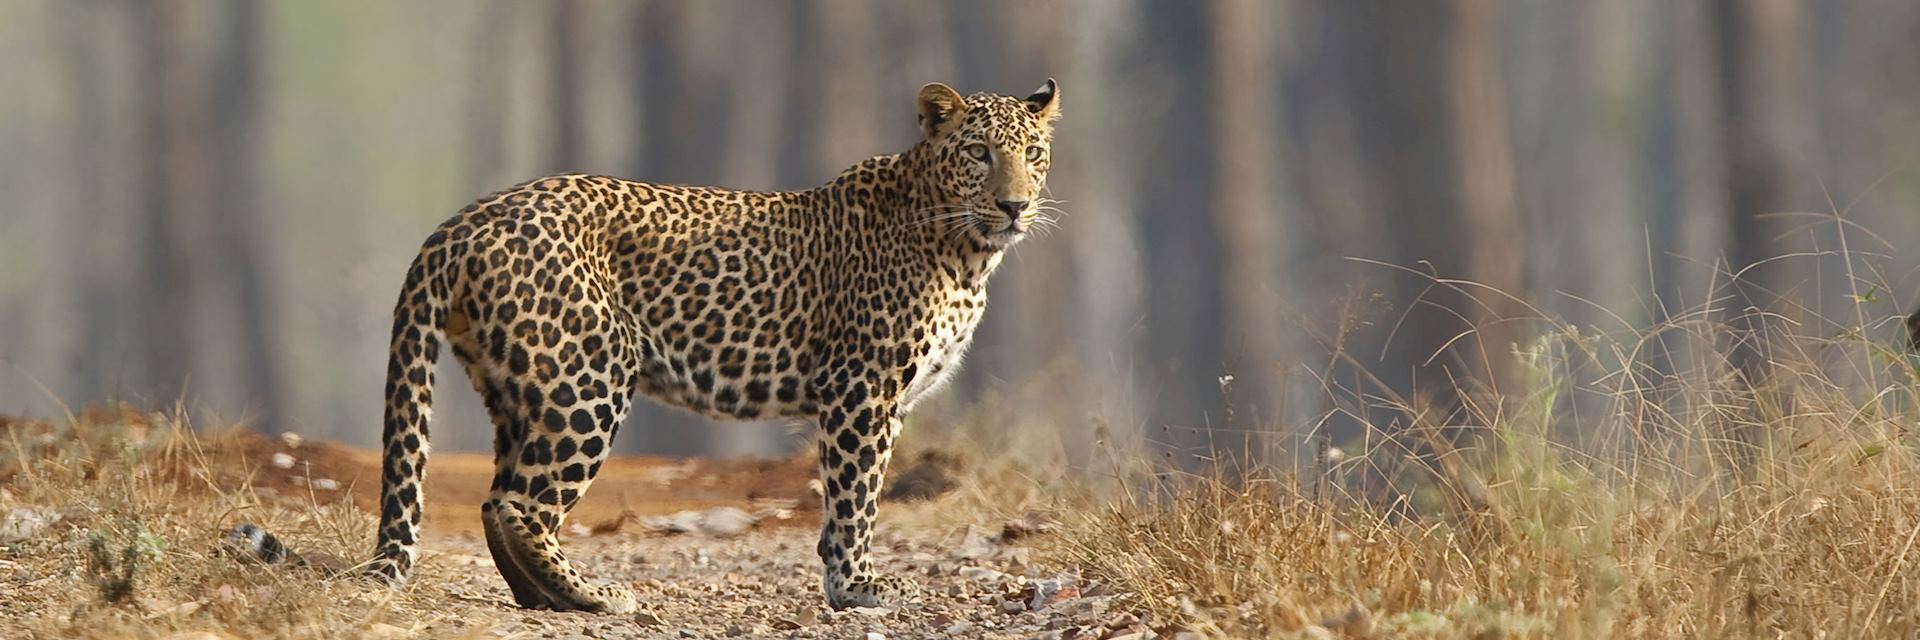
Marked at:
<point>1356,622</point>
<point>726,522</point>
<point>721,522</point>
<point>1032,523</point>
<point>1047,593</point>
<point>326,484</point>
<point>25,523</point>
<point>981,574</point>
<point>1014,556</point>
<point>282,461</point>
<point>875,635</point>
<point>975,545</point>
<point>929,477</point>
<point>958,628</point>
<point>647,618</point>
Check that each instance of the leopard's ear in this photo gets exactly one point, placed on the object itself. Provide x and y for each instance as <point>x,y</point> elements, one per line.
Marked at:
<point>1045,101</point>
<point>940,107</point>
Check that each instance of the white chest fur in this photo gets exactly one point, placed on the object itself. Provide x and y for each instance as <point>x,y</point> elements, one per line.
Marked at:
<point>933,370</point>
<point>959,310</point>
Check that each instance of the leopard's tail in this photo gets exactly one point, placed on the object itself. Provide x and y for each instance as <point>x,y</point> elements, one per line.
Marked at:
<point>250,540</point>
<point>419,319</point>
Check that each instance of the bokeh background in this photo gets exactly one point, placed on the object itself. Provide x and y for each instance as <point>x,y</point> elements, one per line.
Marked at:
<point>213,201</point>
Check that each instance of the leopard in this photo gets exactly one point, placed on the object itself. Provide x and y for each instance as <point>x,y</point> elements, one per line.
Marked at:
<point>568,297</point>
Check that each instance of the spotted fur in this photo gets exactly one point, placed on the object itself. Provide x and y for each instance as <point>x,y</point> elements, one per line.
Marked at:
<point>566,297</point>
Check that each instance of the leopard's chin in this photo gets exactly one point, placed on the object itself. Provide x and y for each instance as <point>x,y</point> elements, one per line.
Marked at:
<point>1000,236</point>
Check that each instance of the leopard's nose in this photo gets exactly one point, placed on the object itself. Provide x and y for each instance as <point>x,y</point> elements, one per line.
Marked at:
<point>1012,208</point>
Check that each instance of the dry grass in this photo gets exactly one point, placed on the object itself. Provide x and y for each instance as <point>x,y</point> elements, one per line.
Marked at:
<point>141,503</point>
<point>1615,487</point>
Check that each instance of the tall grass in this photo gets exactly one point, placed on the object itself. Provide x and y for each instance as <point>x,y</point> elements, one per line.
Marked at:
<point>1635,484</point>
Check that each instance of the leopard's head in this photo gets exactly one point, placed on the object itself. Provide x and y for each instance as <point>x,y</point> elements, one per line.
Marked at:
<point>988,160</point>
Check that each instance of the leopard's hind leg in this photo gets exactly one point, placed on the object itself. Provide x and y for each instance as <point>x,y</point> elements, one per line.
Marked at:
<point>537,484</point>
<point>559,393</point>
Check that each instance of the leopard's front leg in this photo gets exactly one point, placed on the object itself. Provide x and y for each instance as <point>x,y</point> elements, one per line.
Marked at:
<point>856,441</point>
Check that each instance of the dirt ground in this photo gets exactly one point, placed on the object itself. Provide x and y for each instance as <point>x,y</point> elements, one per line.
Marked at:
<point>724,579</point>
<point>713,549</point>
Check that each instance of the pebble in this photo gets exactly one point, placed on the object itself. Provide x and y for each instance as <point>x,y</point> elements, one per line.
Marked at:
<point>981,574</point>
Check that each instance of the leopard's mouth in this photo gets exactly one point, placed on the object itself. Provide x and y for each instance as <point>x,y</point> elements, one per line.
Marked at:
<point>1000,234</point>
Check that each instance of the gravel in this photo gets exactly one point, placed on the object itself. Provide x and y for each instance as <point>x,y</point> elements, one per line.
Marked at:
<point>763,582</point>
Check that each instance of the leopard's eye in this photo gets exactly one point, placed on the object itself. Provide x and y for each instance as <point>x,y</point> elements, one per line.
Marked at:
<point>1033,154</point>
<point>976,151</point>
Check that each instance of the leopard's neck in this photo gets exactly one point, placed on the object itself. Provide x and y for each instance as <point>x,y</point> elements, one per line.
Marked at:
<point>898,196</point>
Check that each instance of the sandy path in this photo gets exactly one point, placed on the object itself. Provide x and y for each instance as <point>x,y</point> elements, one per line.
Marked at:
<point>763,583</point>
<point>732,581</point>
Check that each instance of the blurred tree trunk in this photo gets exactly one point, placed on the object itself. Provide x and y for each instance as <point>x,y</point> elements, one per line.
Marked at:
<point>1248,179</point>
<point>486,106</point>
<point>246,273</point>
<point>564,64</point>
<point>682,52</point>
<point>1495,233</point>
<point>205,250</point>
<point>175,158</point>
<point>757,100</point>
<point>1683,180</point>
<point>1102,174</point>
<point>846,108</point>
<point>1394,75</point>
<point>98,260</point>
<point>1184,297</point>
<point>1665,187</point>
<point>1764,119</point>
